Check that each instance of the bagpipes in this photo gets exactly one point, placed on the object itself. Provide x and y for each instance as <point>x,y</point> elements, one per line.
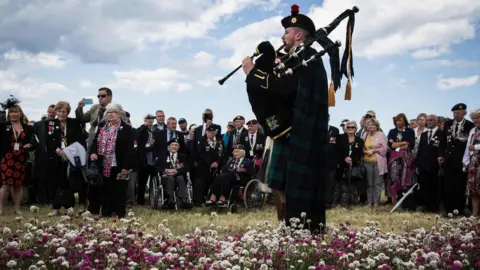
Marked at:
<point>330,47</point>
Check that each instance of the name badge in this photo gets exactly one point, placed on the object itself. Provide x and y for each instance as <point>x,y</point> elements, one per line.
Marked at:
<point>251,152</point>
<point>16,147</point>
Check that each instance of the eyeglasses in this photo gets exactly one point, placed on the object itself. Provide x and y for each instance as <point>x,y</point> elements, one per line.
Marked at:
<point>101,96</point>
<point>350,127</point>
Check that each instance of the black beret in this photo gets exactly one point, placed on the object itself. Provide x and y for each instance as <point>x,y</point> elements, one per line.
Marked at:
<point>299,20</point>
<point>239,117</point>
<point>182,120</point>
<point>127,114</point>
<point>459,106</point>
<point>211,128</point>
<point>174,140</point>
<point>239,147</point>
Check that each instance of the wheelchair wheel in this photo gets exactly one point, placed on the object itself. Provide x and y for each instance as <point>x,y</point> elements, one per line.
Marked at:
<point>153,193</point>
<point>233,208</point>
<point>253,197</point>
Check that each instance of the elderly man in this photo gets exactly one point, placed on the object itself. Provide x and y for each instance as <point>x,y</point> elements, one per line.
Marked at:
<point>455,179</point>
<point>427,164</point>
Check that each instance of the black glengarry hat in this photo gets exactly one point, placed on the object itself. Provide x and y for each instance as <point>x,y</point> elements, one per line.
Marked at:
<point>298,20</point>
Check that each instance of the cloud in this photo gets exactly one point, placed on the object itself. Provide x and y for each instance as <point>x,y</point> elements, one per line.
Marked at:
<point>459,63</point>
<point>389,68</point>
<point>202,59</point>
<point>101,31</point>
<point>26,87</point>
<point>244,40</point>
<point>148,81</point>
<point>39,59</point>
<point>430,52</point>
<point>382,28</point>
<point>453,83</point>
<point>85,83</point>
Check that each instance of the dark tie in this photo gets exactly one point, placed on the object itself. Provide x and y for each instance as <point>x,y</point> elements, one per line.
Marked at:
<point>171,135</point>
<point>456,128</point>
<point>251,140</point>
<point>429,136</point>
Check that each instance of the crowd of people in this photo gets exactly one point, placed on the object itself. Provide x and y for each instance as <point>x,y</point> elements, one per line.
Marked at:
<point>109,165</point>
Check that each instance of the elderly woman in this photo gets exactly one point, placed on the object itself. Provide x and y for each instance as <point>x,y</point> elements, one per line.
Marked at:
<point>237,171</point>
<point>401,141</point>
<point>471,163</point>
<point>18,138</point>
<point>375,161</point>
<point>113,151</point>
<point>60,133</point>
<point>351,153</point>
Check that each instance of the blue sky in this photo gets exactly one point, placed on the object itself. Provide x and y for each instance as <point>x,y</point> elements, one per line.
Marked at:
<point>408,57</point>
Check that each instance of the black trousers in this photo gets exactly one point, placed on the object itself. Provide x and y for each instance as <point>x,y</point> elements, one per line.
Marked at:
<point>175,182</point>
<point>145,172</point>
<point>64,197</point>
<point>222,185</point>
<point>332,176</point>
<point>454,185</point>
<point>111,197</point>
<point>429,191</point>
<point>202,184</point>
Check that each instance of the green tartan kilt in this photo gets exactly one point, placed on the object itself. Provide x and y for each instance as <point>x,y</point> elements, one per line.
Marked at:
<point>277,170</point>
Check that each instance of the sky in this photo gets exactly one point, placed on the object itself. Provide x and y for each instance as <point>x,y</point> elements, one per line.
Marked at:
<point>409,56</point>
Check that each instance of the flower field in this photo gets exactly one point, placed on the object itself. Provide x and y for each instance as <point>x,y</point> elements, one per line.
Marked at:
<point>146,239</point>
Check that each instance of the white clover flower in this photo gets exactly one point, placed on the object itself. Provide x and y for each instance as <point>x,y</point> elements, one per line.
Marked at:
<point>12,264</point>
<point>61,251</point>
<point>65,264</point>
<point>6,230</point>
<point>12,245</point>
<point>34,209</point>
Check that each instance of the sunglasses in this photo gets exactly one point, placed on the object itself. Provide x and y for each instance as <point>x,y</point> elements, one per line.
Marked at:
<point>101,96</point>
<point>350,127</point>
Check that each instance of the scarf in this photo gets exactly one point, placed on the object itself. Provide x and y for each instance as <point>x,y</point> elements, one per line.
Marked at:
<point>106,146</point>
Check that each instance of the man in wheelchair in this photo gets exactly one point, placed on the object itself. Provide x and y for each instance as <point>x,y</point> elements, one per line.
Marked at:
<point>173,173</point>
<point>237,172</point>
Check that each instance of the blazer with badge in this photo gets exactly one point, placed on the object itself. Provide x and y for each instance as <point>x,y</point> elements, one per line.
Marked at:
<point>243,172</point>
<point>333,148</point>
<point>258,145</point>
<point>142,148</point>
<point>428,151</point>
<point>455,142</point>
<point>205,156</point>
<point>180,163</point>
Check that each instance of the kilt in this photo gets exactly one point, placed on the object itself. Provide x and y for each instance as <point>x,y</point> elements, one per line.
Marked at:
<point>277,170</point>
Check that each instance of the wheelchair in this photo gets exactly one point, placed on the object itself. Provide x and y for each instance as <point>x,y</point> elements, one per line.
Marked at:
<point>250,196</point>
<point>157,194</point>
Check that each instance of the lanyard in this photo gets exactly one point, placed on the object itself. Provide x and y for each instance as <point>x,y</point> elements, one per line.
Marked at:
<point>15,134</point>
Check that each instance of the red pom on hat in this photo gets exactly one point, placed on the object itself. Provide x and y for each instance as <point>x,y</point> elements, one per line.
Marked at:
<point>295,9</point>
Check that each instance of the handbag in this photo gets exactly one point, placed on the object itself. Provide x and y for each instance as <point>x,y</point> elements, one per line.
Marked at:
<point>357,171</point>
<point>94,178</point>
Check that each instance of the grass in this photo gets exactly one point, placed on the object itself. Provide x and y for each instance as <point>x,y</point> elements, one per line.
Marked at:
<point>182,222</point>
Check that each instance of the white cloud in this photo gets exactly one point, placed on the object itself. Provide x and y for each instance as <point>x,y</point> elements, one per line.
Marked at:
<point>85,83</point>
<point>385,28</point>
<point>431,52</point>
<point>459,63</point>
<point>389,68</point>
<point>452,83</point>
<point>40,59</point>
<point>244,40</point>
<point>202,59</point>
<point>205,83</point>
<point>148,81</point>
<point>101,31</point>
